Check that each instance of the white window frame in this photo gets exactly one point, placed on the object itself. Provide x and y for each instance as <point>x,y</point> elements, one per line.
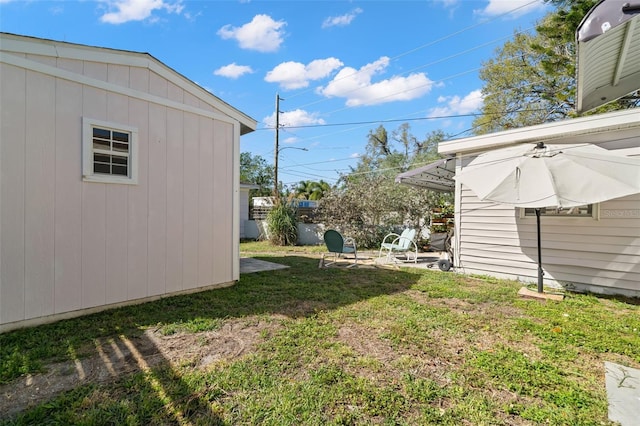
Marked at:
<point>595,213</point>
<point>88,174</point>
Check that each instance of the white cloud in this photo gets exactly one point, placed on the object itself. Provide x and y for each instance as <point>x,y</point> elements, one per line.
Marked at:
<point>262,34</point>
<point>357,88</point>
<point>498,7</point>
<point>295,118</point>
<point>233,71</point>
<point>342,20</point>
<point>290,140</point>
<point>355,155</point>
<point>121,11</point>
<point>455,105</point>
<point>448,3</point>
<point>294,75</point>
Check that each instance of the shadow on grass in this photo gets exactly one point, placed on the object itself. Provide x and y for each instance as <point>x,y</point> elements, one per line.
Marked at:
<point>117,336</point>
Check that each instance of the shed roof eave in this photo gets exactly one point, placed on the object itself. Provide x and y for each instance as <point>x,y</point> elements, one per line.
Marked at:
<point>590,129</point>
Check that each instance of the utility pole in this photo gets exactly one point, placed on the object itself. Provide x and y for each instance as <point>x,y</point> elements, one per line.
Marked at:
<point>276,151</point>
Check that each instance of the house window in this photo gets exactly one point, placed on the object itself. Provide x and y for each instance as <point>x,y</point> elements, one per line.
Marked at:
<point>587,210</point>
<point>109,152</point>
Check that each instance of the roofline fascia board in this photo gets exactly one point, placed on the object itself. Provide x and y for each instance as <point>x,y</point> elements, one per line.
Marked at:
<point>547,132</point>
<point>39,67</point>
<point>35,46</point>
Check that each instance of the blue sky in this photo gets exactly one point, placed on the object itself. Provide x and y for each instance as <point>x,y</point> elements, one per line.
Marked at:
<point>342,68</point>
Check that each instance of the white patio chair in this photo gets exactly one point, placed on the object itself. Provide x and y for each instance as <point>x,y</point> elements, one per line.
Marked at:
<point>403,244</point>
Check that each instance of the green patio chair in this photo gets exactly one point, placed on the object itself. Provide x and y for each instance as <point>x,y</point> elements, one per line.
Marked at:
<point>402,244</point>
<point>337,245</point>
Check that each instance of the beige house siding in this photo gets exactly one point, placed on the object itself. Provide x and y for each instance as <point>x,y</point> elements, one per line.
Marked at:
<point>587,254</point>
<point>68,245</point>
<point>605,253</point>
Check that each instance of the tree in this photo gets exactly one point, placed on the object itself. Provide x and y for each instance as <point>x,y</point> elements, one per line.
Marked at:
<point>311,190</point>
<point>531,80</point>
<point>255,170</point>
<point>367,203</point>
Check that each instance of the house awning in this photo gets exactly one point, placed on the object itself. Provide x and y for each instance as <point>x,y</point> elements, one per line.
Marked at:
<point>436,176</point>
<point>608,53</point>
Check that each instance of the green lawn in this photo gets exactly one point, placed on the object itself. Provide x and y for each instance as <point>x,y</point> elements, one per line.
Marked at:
<point>304,346</point>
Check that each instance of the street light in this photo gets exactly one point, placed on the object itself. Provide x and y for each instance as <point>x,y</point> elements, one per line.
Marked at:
<point>275,168</point>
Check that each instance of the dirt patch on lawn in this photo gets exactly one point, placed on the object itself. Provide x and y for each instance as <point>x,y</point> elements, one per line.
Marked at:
<point>120,356</point>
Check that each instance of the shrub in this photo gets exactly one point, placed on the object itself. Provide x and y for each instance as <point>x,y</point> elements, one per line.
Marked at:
<point>282,225</point>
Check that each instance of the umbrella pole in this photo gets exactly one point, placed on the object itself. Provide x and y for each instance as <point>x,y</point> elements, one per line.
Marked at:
<point>540,271</point>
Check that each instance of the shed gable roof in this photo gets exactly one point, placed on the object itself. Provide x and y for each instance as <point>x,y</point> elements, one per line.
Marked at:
<point>13,45</point>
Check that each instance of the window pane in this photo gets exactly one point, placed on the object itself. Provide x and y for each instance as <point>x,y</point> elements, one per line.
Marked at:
<point>580,211</point>
<point>101,168</point>
<point>121,137</point>
<point>101,133</point>
<point>120,147</point>
<point>119,160</point>
<point>102,158</point>
<point>101,144</point>
<point>119,170</point>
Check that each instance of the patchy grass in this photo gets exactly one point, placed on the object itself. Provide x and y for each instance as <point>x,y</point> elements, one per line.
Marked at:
<point>338,346</point>
<point>265,247</point>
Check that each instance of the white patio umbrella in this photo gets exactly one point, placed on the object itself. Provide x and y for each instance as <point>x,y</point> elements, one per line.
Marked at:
<point>540,175</point>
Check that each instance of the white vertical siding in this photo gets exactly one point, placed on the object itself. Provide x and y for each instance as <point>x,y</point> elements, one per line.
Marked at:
<point>12,193</point>
<point>68,196</point>
<point>68,245</point>
<point>175,193</point>
<point>39,195</point>
<point>205,204</point>
<point>190,205</point>
<point>138,206</point>
<point>223,194</point>
<point>157,236</point>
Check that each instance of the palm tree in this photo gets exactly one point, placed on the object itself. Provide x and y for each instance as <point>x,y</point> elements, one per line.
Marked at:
<point>311,190</point>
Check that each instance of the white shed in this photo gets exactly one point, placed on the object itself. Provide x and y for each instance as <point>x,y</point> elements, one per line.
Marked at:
<point>119,181</point>
<point>596,248</point>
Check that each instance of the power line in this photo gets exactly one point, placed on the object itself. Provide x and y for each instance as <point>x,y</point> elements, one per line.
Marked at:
<point>434,42</point>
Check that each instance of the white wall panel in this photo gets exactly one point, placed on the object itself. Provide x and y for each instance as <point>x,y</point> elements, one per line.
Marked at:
<point>39,200</point>
<point>118,75</point>
<point>157,236</point>
<point>157,85</point>
<point>137,223</point>
<point>205,203</point>
<point>96,70</point>
<point>139,79</point>
<point>175,196</point>
<point>175,93</point>
<point>190,200</point>
<point>68,196</point>
<point>12,193</point>
<point>223,206</point>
